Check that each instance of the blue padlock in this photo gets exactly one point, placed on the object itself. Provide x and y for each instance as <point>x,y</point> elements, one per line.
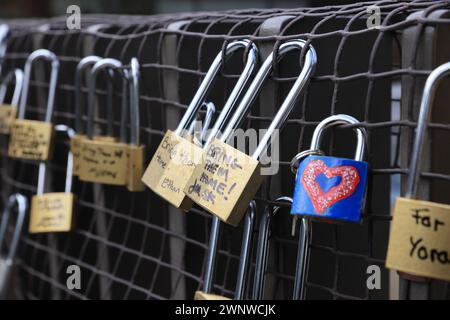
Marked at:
<point>330,188</point>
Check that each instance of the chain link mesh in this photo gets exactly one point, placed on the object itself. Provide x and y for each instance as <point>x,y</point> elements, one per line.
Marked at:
<point>133,245</point>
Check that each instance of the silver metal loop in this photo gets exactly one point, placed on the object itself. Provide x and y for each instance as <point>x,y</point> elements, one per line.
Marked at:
<point>134,76</point>
<point>426,104</point>
<point>4,35</point>
<point>41,54</point>
<point>262,251</point>
<point>21,202</point>
<point>302,155</point>
<point>198,138</point>
<point>84,63</point>
<point>116,66</point>
<point>288,103</point>
<point>17,76</point>
<point>69,166</point>
<point>337,120</point>
<point>245,257</point>
<point>206,84</point>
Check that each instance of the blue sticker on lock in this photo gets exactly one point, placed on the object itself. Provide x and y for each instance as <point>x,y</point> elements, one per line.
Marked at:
<point>330,187</point>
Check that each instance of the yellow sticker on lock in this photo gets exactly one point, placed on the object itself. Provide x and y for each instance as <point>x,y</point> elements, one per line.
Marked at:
<point>419,241</point>
<point>103,162</point>
<point>30,139</point>
<point>199,295</point>
<point>52,212</point>
<point>7,115</point>
<point>170,168</point>
<point>225,182</point>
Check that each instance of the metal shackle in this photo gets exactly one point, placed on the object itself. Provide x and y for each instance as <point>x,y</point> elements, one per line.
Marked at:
<point>69,166</point>
<point>262,251</point>
<point>426,104</point>
<point>245,255</point>
<point>210,109</point>
<point>4,35</point>
<point>206,84</point>
<point>337,120</point>
<point>17,76</point>
<point>41,54</point>
<point>134,76</point>
<point>116,66</point>
<point>21,202</point>
<point>288,103</point>
<point>84,63</point>
<point>245,258</point>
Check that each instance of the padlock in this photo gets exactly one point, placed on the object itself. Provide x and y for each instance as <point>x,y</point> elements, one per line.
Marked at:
<point>227,179</point>
<point>7,263</point>
<point>54,211</point>
<point>8,112</point>
<point>75,142</point>
<point>326,187</point>
<point>176,156</point>
<point>104,161</point>
<point>262,252</point>
<point>244,259</point>
<point>31,139</point>
<point>419,242</point>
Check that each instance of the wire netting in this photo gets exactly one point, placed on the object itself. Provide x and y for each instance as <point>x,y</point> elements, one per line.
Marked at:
<point>134,245</point>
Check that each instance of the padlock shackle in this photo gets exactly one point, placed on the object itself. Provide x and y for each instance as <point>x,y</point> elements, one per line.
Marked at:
<point>42,172</point>
<point>134,76</point>
<point>288,103</point>
<point>69,165</point>
<point>17,76</point>
<point>337,120</point>
<point>210,109</point>
<point>302,264</point>
<point>84,63</point>
<point>41,54</point>
<point>262,250</point>
<point>251,61</point>
<point>206,84</point>
<point>426,105</point>
<point>208,278</point>
<point>4,34</point>
<point>106,63</point>
<point>21,202</point>
<point>245,255</point>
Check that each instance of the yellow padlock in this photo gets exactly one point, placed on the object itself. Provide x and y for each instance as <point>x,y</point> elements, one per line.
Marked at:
<point>54,211</point>
<point>31,139</point>
<point>76,141</point>
<point>228,179</point>
<point>176,157</point>
<point>244,261</point>
<point>8,112</point>
<point>419,242</point>
<point>104,160</point>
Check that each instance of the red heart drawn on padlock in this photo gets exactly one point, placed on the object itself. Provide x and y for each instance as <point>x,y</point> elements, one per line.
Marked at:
<point>322,200</point>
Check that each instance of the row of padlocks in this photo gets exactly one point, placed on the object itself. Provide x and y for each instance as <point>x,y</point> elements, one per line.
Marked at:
<point>202,167</point>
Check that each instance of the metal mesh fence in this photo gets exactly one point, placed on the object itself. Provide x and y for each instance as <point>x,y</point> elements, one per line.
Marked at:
<point>134,246</point>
